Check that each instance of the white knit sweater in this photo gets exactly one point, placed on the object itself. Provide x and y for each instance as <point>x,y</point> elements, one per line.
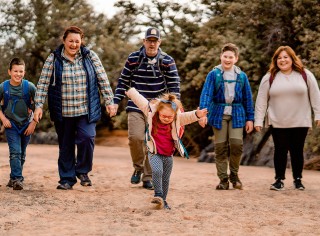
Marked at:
<point>288,101</point>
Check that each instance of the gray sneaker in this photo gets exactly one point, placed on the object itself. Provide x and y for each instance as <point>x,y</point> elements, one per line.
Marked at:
<point>17,184</point>
<point>10,183</point>
<point>223,185</point>
<point>236,183</point>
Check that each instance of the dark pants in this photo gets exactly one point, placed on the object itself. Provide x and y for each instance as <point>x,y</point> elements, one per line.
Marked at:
<point>74,131</point>
<point>292,140</point>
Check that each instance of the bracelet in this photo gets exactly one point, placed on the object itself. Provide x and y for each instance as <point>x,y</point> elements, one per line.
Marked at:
<point>35,121</point>
<point>197,115</point>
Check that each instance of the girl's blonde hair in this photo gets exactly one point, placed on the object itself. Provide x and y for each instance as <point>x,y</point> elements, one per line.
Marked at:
<point>296,62</point>
<point>169,100</point>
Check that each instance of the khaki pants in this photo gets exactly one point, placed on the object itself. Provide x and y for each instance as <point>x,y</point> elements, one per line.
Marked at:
<point>136,135</point>
<point>228,148</point>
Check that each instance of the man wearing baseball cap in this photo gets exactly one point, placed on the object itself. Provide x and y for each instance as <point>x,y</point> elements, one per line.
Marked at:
<point>151,72</point>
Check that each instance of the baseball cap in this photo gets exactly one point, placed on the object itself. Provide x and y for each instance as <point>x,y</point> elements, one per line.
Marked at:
<point>152,33</point>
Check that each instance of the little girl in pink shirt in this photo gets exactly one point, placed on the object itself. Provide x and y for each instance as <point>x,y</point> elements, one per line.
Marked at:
<point>164,128</point>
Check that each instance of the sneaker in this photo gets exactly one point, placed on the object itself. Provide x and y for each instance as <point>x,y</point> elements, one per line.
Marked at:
<point>223,185</point>
<point>297,184</point>
<point>159,201</point>
<point>84,180</point>
<point>64,186</point>
<point>148,185</point>
<point>17,185</point>
<point>10,183</point>
<point>166,206</point>
<point>278,185</point>
<point>236,183</point>
<point>136,177</point>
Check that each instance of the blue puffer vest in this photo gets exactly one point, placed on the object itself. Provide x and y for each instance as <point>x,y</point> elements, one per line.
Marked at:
<point>55,94</point>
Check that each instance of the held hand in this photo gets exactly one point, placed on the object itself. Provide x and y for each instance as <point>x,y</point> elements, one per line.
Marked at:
<point>203,121</point>
<point>249,126</point>
<point>258,128</point>
<point>112,109</point>
<point>37,116</point>
<point>318,123</point>
<point>201,113</point>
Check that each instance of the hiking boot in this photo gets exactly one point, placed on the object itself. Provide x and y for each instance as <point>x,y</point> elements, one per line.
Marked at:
<point>236,183</point>
<point>297,184</point>
<point>136,177</point>
<point>166,206</point>
<point>64,186</point>
<point>84,180</point>
<point>159,201</point>
<point>223,185</point>
<point>278,185</point>
<point>17,184</point>
<point>148,185</point>
<point>10,183</point>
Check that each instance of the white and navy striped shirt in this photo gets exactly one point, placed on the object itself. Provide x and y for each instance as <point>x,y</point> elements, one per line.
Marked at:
<point>149,80</point>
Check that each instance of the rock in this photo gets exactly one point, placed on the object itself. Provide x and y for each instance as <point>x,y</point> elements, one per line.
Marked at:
<point>44,138</point>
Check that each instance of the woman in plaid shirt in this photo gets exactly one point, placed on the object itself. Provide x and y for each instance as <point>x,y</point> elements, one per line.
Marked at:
<point>71,78</point>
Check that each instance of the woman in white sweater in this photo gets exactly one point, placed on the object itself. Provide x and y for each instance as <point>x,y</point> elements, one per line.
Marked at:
<point>286,95</point>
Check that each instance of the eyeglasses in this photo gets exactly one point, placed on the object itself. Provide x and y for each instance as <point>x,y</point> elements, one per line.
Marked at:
<point>152,41</point>
<point>166,117</point>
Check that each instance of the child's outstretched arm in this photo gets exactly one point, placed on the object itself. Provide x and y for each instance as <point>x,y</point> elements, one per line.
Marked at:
<point>192,116</point>
<point>141,102</point>
<point>201,113</point>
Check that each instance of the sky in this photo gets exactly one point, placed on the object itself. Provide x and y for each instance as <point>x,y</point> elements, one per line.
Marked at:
<point>106,6</point>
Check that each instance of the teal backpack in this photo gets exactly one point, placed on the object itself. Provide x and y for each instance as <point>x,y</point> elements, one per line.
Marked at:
<point>219,80</point>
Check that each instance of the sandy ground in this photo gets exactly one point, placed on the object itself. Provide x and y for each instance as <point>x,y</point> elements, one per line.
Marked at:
<point>112,206</point>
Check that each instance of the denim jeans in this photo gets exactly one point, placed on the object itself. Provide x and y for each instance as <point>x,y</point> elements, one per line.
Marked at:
<point>17,149</point>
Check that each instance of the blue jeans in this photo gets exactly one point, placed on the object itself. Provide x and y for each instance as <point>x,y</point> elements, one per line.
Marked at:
<point>74,131</point>
<point>17,148</point>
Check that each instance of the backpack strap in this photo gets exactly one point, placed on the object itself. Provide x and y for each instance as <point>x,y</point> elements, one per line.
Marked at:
<point>6,94</point>
<point>159,64</point>
<point>304,76</point>
<point>160,61</point>
<point>25,94</point>
<point>242,79</point>
<point>217,80</point>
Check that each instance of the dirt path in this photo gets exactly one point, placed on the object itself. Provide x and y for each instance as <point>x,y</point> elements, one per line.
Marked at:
<point>112,206</point>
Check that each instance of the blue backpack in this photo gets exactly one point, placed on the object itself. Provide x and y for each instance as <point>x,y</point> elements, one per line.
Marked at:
<point>25,95</point>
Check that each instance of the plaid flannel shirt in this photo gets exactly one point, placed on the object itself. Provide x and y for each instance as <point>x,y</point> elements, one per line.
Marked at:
<point>74,88</point>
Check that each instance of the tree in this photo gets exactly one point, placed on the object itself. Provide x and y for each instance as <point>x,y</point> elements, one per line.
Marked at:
<point>34,28</point>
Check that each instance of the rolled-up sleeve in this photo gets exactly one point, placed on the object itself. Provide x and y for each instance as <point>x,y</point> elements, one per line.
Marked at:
<point>44,81</point>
